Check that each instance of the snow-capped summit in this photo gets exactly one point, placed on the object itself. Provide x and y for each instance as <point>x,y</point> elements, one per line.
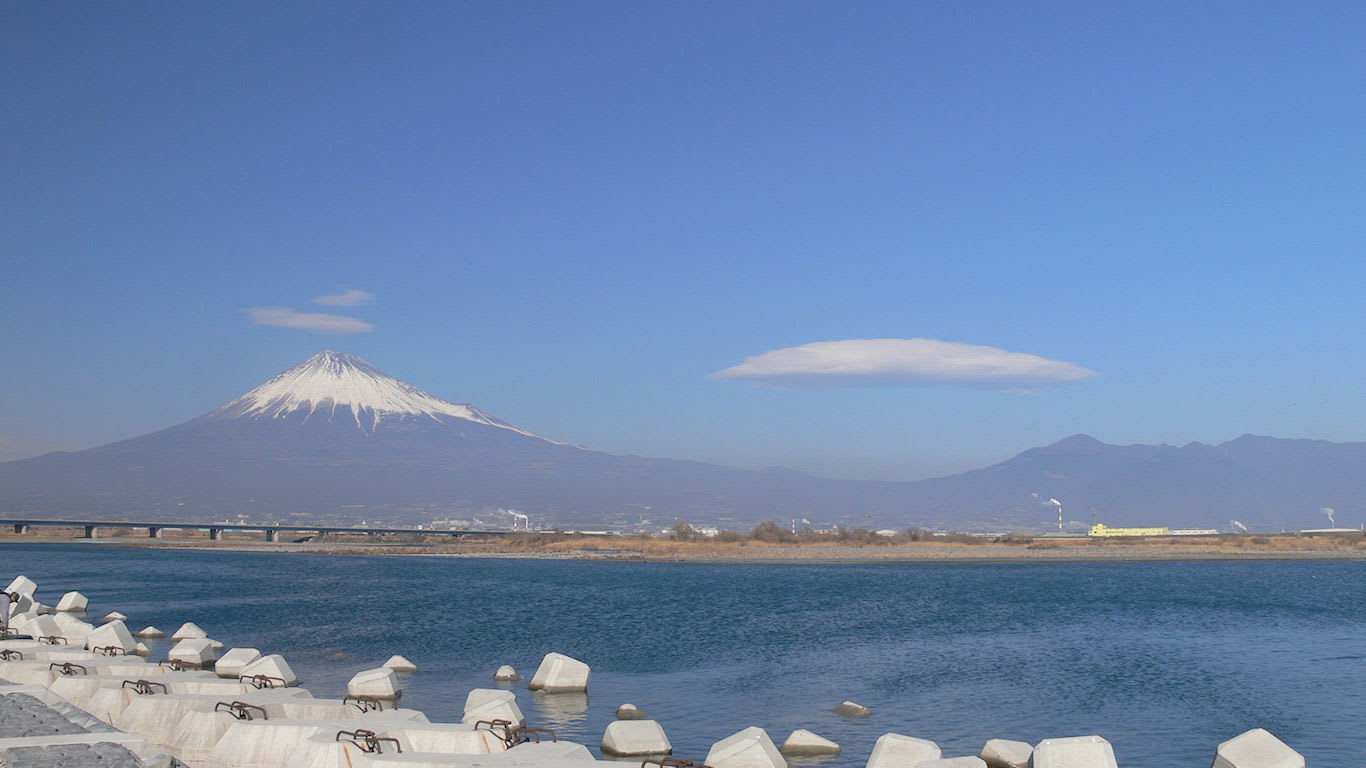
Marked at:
<point>337,385</point>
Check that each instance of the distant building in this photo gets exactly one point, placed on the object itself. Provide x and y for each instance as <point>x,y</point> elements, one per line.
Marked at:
<point>1101,530</point>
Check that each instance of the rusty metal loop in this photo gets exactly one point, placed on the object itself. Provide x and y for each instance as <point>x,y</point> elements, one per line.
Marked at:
<point>110,650</point>
<point>261,681</point>
<point>144,687</point>
<point>53,640</point>
<point>365,703</point>
<point>672,762</point>
<point>368,741</point>
<point>67,668</point>
<point>240,709</point>
<point>175,664</point>
<point>8,654</point>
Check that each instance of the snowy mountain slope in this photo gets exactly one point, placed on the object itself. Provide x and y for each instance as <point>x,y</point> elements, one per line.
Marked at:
<point>337,385</point>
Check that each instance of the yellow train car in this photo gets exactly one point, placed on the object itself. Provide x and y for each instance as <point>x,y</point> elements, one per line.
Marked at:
<point>1103,530</point>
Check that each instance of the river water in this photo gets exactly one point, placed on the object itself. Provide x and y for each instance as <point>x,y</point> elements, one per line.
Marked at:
<point>1163,659</point>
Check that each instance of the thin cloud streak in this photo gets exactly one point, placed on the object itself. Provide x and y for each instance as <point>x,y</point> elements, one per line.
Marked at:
<point>277,317</point>
<point>903,363</point>
<point>349,298</point>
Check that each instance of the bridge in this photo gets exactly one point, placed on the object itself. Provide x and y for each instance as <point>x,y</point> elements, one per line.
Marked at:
<point>216,530</point>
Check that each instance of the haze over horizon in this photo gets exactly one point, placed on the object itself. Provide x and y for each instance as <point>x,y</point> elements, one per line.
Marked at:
<point>869,242</point>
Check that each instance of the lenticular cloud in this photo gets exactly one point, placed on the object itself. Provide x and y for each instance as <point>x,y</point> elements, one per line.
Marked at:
<point>903,362</point>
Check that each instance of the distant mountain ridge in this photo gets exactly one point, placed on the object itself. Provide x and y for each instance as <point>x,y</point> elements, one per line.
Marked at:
<point>335,439</point>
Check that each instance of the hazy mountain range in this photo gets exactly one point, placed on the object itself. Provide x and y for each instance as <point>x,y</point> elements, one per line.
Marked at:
<point>335,439</point>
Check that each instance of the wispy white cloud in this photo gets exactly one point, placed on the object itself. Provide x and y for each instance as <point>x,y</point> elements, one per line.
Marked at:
<point>903,362</point>
<point>306,321</point>
<point>347,298</point>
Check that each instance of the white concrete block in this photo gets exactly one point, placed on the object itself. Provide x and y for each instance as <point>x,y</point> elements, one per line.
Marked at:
<point>196,733</point>
<point>492,704</point>
<point>635,737</point>
<point>750,748</point>
<point>196,652</point>
<point>108,703</point>
<point>142,650</point>
<point>42,626</point>
<point>115,634</point>
<point>267,743</point>
<point>953,762</point>
<point>1074,752</point>
<point>273,666</point>
<point>893,750</point>
<point>231,664</point>
<point>850,709</point>
<point>73,601</point>
<point>149,631</point>
<point>113,616</point>
<point>802,743</point>
<point>22,585</point>
<point>381,683</point>
<point>546,753</point>
<point>400,664</point>
<point>445,738</point>
<point>631,712</point>
<point>1256,748</point>
<point>73,629</point>
<point>189,630</point>
<point>560,673</point>
<point>1003,753</point>
<point>154,717</point>
<point>506,674</point>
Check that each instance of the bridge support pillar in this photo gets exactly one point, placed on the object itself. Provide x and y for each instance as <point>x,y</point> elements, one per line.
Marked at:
<point>272,535</point>
<point>215,534</point>
<point>20,528</point>
<point>92,532</point>
<point>153,532</point>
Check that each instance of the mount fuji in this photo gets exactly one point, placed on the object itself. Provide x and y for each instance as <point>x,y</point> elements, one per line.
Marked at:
<point>336,439</point>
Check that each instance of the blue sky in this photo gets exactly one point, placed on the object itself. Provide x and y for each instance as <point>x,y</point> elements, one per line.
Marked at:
<point>572,215</point>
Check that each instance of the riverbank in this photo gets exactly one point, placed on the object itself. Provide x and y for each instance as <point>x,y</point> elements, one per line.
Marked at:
<point>640,548</point>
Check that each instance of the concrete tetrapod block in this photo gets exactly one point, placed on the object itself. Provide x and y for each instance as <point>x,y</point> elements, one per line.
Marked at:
<point>196,652</point>
<point>893,750</point>
<point>381,683</point>
<point>750,748</point>
<point>73,629</point>
<point>953,762</point>
<point>231,664</point>
<point>149,631</point>
<point>267,743</point>
<point>113,616</point>
<point>630,738</point>
<point>1003,753</point>
<point>560,673</point>
<point>274,666</point>
<point>804,743</point>
<point>631,712</point>
<point>108,703</point>
<point>42,626</point>
<point>400,664</point>
<point>506,674</point>
<point>187,631</point>
<point>22,585</point>
<point>114,634</point>
<point>1074,752</point>
<point>546,753</point>
<point>1256,748</point>
<point>155,716</point>
<point>447,738</point>
<point>196,733</point>
<point>850,709</point>
<point>73,601</point>
<point>142,650</point>
<point>492,704</point>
